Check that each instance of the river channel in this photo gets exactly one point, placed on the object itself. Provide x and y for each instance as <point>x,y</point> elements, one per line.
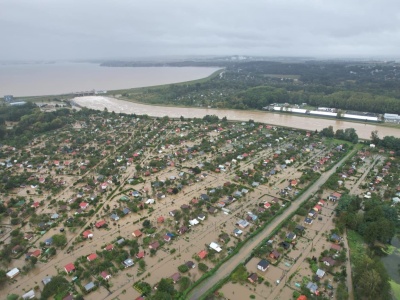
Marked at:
<point>279,119</point>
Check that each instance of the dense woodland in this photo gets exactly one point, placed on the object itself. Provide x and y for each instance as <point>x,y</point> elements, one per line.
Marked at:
<point>358,86</point>
<point>375,221</point>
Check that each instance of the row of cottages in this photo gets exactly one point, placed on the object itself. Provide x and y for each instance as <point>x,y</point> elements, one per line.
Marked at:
<point>313,213</point>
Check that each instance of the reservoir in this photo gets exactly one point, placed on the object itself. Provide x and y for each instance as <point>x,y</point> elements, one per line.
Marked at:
<point>36,79</point>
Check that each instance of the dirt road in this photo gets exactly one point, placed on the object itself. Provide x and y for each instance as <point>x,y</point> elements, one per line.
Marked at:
<point>228,266</point>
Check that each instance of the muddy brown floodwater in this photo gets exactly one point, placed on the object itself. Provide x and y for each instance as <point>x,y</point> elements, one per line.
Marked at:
<point>295,121</point>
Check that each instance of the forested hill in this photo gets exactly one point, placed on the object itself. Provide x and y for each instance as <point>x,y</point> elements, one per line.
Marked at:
<point>371,87</point>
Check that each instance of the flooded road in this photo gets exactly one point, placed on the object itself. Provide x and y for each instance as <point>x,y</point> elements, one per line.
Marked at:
<point>296,121</point>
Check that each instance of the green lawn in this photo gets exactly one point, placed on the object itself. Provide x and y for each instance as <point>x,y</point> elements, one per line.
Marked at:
<point>356,244</point>
<point>396,289</point>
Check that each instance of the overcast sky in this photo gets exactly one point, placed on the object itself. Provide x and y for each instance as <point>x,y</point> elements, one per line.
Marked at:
<point>106,29</point>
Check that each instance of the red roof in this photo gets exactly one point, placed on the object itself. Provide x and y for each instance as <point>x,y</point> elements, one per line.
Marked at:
<point>109,247</point>
<point>87,233</point>
<point>160,219</point>
<point>140,254</point>
<point>302,297</point>
<point>336,247</point>
<point>36,253</point>
<point>83,205</point>
<point>100,223</point>
<point>317,207</point>
<point>202,254</point>
<point>69,267</point>
<point>104,274</point>
<point>92,256</point>
<point>137,233</point>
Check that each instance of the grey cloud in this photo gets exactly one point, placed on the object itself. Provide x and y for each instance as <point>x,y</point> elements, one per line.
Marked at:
<point>51,29</point>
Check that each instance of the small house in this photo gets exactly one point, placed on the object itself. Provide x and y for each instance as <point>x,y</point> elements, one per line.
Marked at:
<point>202,254</point>
<point>328,261</point>
<point>263,265</point>
<point>308,221</point>
<point>313,287</point>
<point>336,247</point>
<point>128,263</point>
<point>29,295</point>
<point>215,247</point>
<point>90,286</point>
<point>137,233</point>
<point>182,230</point>
<point>237,232</point>
<point>291,236</point>
<point>12,273</point>
<point>173,212</point>
<point>46,280</point>
<point>335,197</point>
<point>253,278</point>
<point>100,224</point>
<point>87,234</point>
<point>114,217</point>
<point>69,268</point>
<point>109,247</point>
<point>212,210</point>
<point>335,238</point>
<point>242,223</point>
<point>91,257</point>
<point>275,254</point>
<point>105,275</point>
<point>190,264</point>
<point>320,273</point>
<point>154,245</point>
<point>175,277</point>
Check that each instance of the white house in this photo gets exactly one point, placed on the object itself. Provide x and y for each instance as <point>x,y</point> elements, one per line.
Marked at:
<point>12,273</point>
<point>215,247</point>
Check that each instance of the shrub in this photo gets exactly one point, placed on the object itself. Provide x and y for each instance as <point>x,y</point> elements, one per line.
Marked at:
<point>203,267</point>
<point>183,268</point>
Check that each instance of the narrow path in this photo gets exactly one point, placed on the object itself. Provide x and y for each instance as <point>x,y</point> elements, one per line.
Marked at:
<point>227,268</point>
<point>349,279</point>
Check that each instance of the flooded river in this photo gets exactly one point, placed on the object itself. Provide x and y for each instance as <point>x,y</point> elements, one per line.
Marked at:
<point>296,121</point>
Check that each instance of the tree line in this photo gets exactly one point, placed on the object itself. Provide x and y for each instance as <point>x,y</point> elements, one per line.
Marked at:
<point>355,86</point>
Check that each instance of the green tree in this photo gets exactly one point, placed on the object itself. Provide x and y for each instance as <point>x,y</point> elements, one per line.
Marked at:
<point>57,285</point>
<point>184,283</point>
<point>59,240</point>
<point>146,224</point>
<point>203,267</point>
<point>341,292</point>
<point>142,264</point>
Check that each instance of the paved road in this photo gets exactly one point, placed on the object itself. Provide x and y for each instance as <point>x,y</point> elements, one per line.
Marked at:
<point>228,266</point>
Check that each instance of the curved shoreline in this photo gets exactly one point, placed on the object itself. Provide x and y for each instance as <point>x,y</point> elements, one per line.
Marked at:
<point>293,121</point>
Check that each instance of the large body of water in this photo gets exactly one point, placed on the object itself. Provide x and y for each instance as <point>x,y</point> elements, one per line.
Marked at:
<point>62,78</point>
<point>296,121</point>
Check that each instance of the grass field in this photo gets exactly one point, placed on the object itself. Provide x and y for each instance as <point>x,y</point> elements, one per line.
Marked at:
<point>356,244</point>
<point>395,289</point>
